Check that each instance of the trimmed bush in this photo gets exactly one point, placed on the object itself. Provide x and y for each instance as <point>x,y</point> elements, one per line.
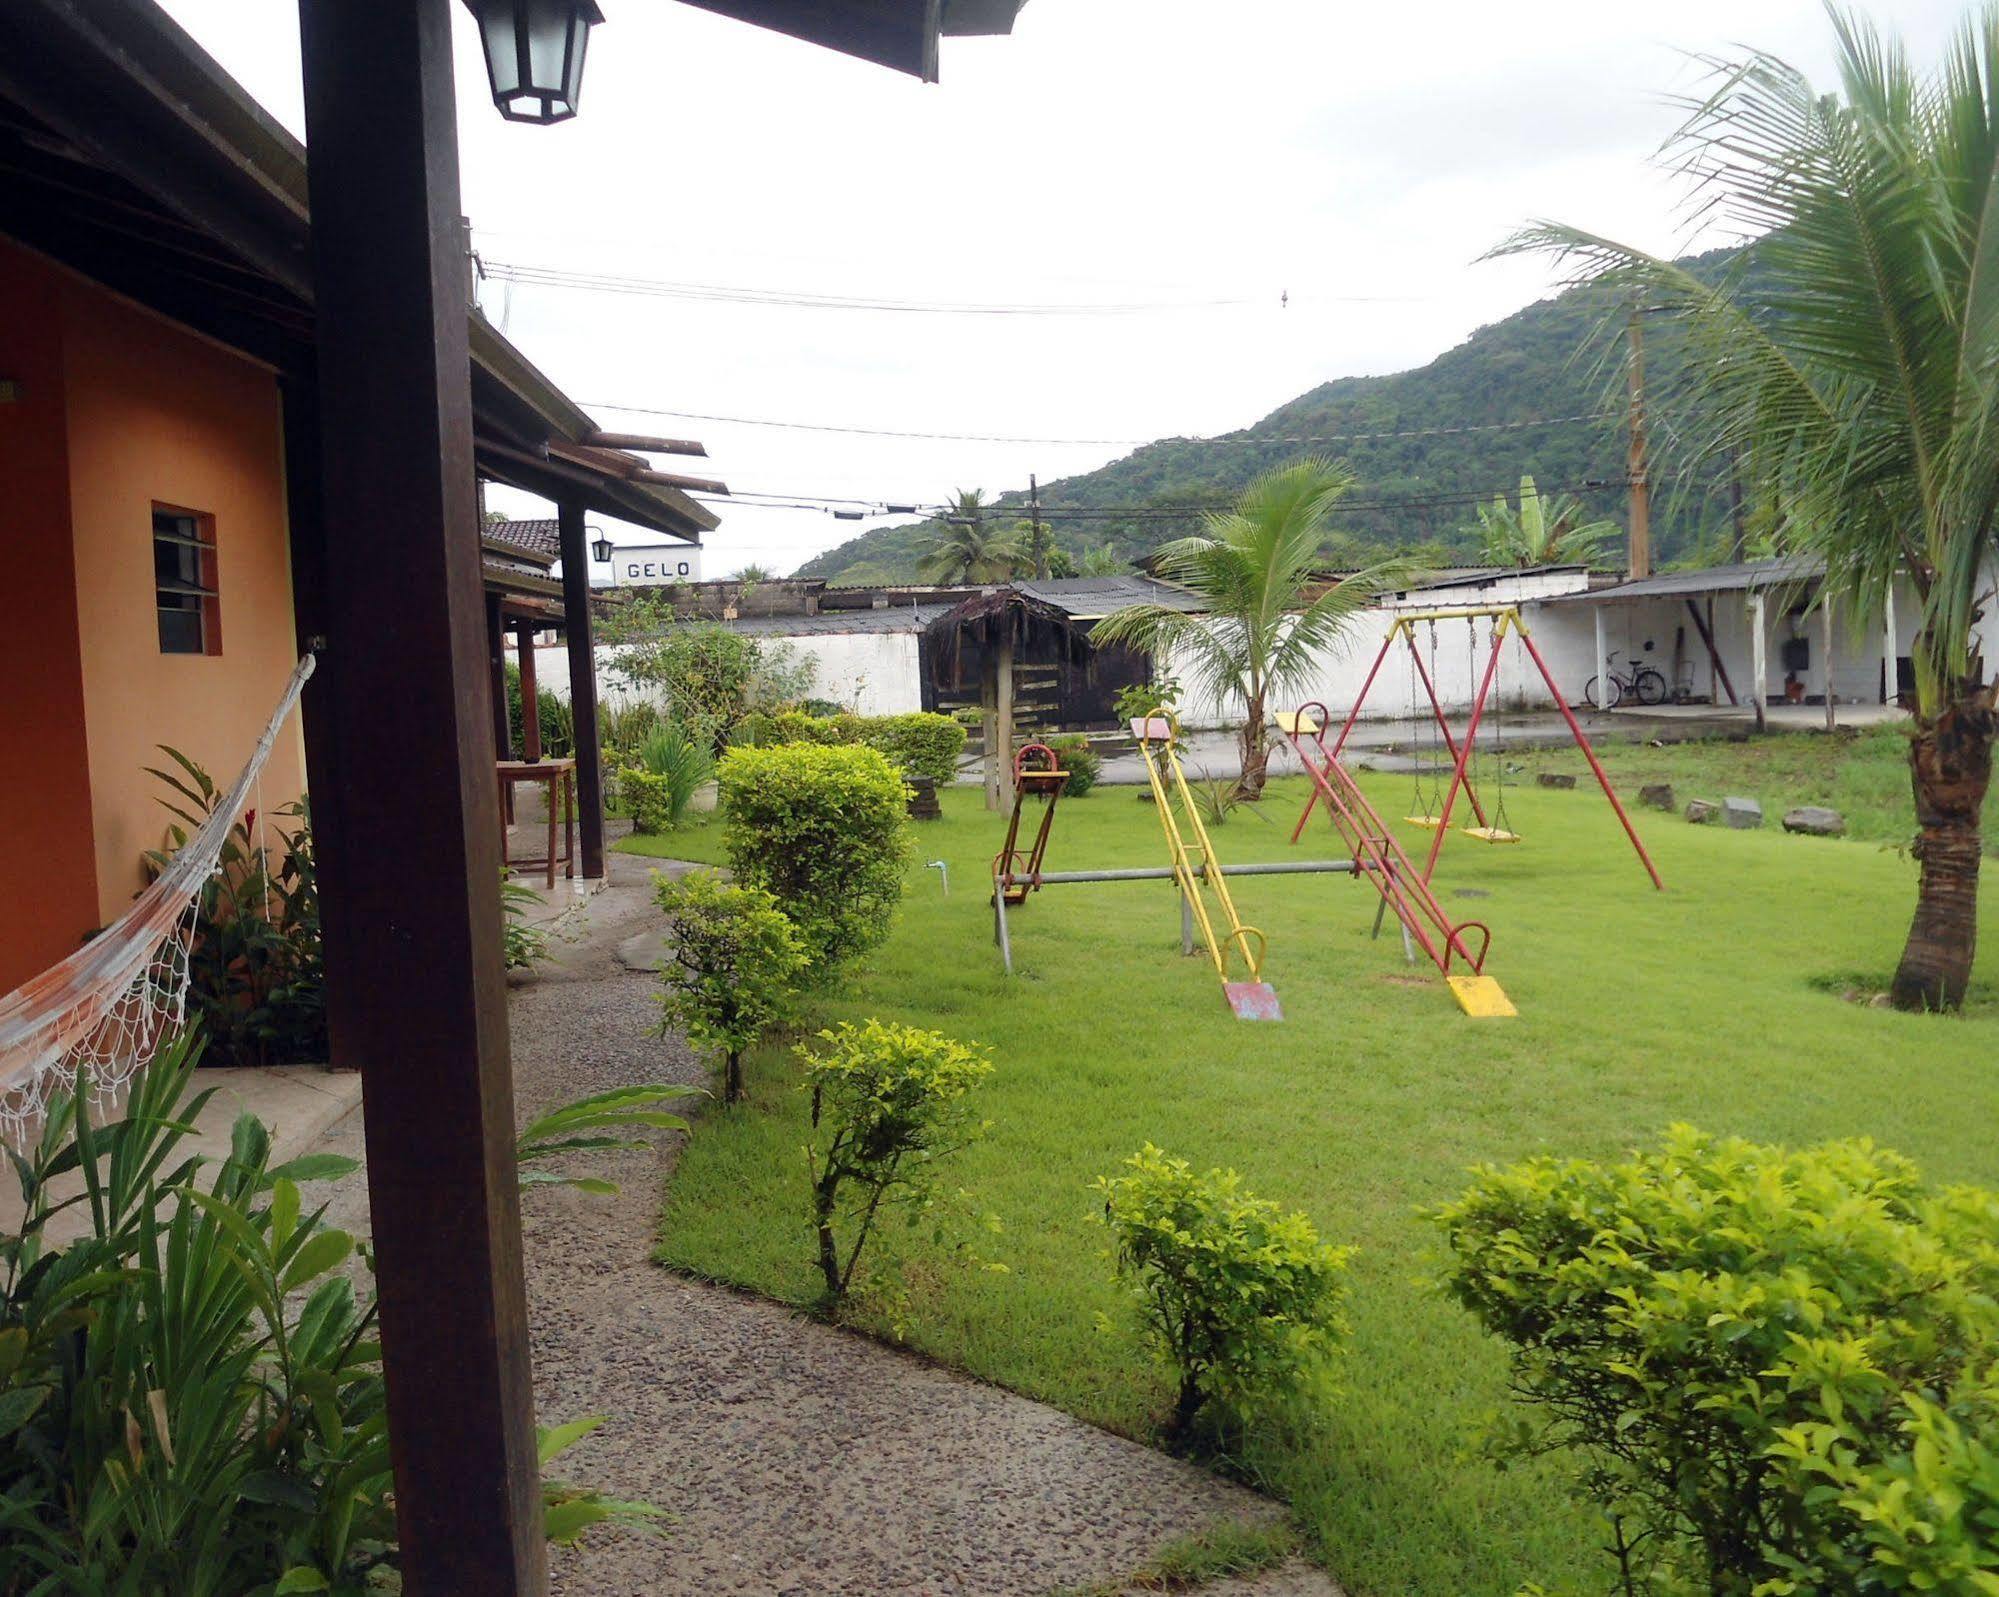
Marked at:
<point>920,744</point>
<point>647,799</point>
<point>1083,763</point>
<point>823,830</point>
<point>732,964</point>
<point>888,1101</point>
<point>1778,1371</point>
<point>1240,1297</point>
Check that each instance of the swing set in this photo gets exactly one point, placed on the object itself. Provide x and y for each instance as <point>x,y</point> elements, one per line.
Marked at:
<point>1475,767</point>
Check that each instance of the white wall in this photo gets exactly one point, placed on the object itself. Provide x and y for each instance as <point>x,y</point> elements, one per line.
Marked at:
<point>874,673</point>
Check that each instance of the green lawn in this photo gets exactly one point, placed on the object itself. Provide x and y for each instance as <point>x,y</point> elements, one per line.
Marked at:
<point>1637,1008</point>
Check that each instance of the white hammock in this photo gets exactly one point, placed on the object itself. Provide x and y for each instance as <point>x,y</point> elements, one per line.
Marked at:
<point>94,1019</point>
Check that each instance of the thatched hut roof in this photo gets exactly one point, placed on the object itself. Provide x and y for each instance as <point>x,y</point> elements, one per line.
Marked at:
<point>1035,627</point>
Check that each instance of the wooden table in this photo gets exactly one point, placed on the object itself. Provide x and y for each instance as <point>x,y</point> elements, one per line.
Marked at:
<point>560,776</point>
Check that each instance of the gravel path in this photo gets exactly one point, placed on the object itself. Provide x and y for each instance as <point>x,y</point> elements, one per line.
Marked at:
<point>799,1460</point>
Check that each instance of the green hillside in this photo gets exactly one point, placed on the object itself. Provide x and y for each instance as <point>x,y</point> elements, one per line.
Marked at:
<point>1545,362</point>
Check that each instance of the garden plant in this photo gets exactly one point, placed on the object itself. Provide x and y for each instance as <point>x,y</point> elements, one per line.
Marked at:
<point>732,967</point>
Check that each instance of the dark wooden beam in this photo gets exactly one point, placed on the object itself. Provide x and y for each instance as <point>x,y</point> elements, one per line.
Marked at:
<point>530,691</point>
<point>647,444</point>
<point>577,632</point>
<point>421,1003</point>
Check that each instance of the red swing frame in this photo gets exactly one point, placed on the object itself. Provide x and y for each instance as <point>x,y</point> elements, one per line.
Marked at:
<point>1505,618</point>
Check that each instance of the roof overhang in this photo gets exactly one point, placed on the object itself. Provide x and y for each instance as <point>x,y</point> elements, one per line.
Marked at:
<point>902,34</point>
<point>128,155</point>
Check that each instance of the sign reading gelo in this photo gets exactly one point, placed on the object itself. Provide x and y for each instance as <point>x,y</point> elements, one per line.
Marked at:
<point>653,565</point>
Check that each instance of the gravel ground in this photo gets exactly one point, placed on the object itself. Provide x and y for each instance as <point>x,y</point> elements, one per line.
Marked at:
<point>798,1460</point>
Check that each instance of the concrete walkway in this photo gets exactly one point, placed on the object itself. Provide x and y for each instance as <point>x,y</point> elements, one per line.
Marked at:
<point>797,1458</point>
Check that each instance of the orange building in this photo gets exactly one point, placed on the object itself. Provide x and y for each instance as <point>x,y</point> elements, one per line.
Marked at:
<point>147,470</point>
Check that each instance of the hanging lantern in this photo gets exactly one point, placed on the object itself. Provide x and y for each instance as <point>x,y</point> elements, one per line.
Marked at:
<point>600,549</point>
<point>534,54</point>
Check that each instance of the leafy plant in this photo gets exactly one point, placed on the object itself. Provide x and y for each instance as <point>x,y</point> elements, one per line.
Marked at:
<point>733,965</point>
<point>602,1120</point>
<point>1241,1298</point>
<point>888,1102</point>
<point>256,964</point>
<point>191,1395</point>
<point>1137,699</point>
<point>1260,635</point>
<point>1843,368</point>
<point>674,761</point>
<point>1083,763</point>
<point>704,675</point>
<point>966,548</point>
<point>553,717</point>
<point>824,831</point>
<point>918,742</point>
<point>1542,532</point>
<point>1778,1371</point>
<point>523,941</point>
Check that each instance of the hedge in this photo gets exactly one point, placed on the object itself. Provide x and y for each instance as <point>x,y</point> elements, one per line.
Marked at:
<point>919,743</point>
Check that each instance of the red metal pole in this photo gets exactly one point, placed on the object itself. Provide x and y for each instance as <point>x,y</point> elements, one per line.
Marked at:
<point>1360,698</point>
<point>1464,758</point>
<point>1437,710</point>
<point>1582,742</point>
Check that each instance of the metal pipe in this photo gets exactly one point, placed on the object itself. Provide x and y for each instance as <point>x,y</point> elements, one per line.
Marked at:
<point>1164,873</point>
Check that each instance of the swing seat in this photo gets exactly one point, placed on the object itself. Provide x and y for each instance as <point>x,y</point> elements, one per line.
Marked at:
<point>1481,997</point>
<point>1492,834</point>
<point>1429,823</point>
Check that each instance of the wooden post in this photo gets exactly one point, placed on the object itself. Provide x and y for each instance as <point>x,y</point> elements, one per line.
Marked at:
<point>1603,687</point>
<point>410,862</point>
<point>989,731</point>
<point>1892,643</point>
<point>1003,721</point>
<point>530,692</point>
<point>577,632</point>
<point>1641,493</point>
<point>1825,621</point>
<point>1759,663</point>
<point>496,663</point>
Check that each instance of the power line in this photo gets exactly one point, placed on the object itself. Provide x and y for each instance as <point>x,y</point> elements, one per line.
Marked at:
<point>807,299</point>
<point>1004,438</point>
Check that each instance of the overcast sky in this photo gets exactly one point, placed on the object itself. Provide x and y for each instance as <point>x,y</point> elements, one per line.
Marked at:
<point>1155,153</point>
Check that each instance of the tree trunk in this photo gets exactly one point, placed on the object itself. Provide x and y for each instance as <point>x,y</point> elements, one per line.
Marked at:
<point>732,1077</point>
<point>1950,767</point>
<point>1255,752</point>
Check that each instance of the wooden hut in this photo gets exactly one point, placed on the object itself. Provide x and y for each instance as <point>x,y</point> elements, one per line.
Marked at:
<point>990,639</point>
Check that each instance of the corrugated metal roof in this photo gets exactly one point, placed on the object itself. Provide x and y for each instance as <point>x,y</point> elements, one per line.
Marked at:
<point>1091,598</point>
<point>1740,578</point>
<point>895,618</point>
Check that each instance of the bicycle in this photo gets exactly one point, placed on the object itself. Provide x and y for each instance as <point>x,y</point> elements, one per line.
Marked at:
<point>1640,682</point>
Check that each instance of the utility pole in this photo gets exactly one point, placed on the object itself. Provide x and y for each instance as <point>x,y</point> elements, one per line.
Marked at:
<point>1034,525</point>
<point>1640,558</point>
<point>1740,550</point>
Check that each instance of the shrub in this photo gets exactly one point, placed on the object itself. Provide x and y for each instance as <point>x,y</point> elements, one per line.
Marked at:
<point>920,743</point>
<point>705,674</point>
<point>1142,698</point>
<point>823,830</point>
<point>888,1102</point>
<point>682,757</point>
<point>1776,1368</point>
<point>917,743</point>
<point>1083,763</point>
<point>732,967</point>
<point>191,1393</point>
<point>623,729</point>
<point>1241,1298</point>
<point>647,799</point>
<point>256,963</point>
<point>522,941</point>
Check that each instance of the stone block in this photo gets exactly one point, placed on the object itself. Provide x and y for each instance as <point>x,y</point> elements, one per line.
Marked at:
<point>1701,811</point>
<point>1742,814</point>
<point>1815,820</point>
<point>1657,796</point>
<point>1556,779</point>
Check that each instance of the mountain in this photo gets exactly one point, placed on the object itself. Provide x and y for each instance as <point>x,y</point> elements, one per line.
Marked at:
<point>1435,439</point>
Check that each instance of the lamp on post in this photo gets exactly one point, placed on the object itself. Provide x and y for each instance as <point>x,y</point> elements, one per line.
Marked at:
<point>534,54</point>
<point>600,549</point>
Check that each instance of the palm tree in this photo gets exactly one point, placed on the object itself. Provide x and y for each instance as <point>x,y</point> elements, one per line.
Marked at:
<point>1036,542</point>
<point>1852,360</point>
<point>1259,639</point>
<point>754,572</point>
<point>966,549</point>
<point>1541,532</point>
<point>1103,561</point>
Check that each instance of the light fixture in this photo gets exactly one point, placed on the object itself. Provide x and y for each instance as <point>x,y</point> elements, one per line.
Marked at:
<point>534,54</point>
<point>600,549</point>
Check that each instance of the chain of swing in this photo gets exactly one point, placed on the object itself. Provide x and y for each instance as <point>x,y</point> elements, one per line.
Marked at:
<point>1485,770</point>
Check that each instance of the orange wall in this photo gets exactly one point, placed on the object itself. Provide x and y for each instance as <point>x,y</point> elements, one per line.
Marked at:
<point>48,867</point>
<point>157,415</point>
